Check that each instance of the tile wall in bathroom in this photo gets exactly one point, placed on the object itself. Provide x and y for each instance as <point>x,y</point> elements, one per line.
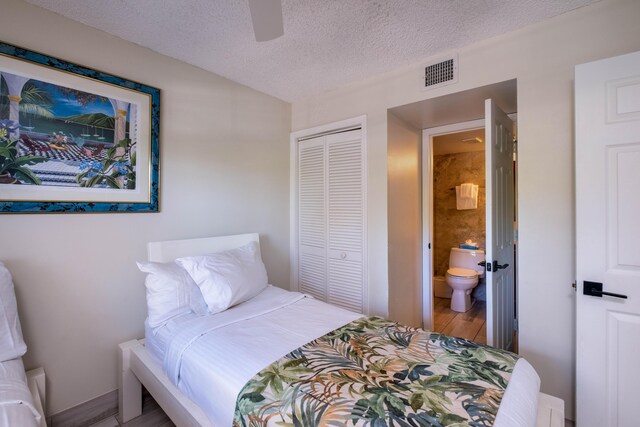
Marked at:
<point>451,226</point>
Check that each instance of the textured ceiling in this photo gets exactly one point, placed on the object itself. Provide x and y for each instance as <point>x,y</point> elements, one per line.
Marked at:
<point>327,43</point>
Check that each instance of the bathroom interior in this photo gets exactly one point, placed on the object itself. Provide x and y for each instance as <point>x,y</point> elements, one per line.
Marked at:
<point>424,222</point>
<point>459,210</point>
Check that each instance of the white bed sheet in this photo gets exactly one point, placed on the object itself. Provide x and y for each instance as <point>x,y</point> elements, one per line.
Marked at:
<point>253,334</point>
<point>16,402</point>
<point>157,339</point>
<point>211,358</point>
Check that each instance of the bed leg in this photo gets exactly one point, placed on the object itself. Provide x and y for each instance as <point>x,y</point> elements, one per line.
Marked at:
<point>130,389</point>
<point>36,381</point>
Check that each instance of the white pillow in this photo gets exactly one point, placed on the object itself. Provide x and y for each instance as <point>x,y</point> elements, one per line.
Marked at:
<point>227,278</point>
<point>170,292</point>
<point>11,342</point>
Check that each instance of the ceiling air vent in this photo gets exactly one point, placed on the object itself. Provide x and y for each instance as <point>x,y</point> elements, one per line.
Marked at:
<point>441,72</point>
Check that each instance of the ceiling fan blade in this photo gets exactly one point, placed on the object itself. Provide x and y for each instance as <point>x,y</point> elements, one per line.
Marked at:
<point>266,16</point>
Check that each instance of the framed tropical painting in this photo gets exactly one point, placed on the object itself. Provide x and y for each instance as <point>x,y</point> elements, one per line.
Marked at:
<point>73,139</point>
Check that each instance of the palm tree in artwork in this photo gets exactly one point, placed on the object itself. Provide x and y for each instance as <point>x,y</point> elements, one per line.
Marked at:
<point>34,101</point>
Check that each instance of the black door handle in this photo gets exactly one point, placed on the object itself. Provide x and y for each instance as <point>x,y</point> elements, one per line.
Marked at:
<point>483,263</point>
<point>594,289</point>
<point>497,266</point>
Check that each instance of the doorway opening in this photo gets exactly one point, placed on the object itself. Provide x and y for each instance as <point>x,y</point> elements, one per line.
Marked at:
<point>458,159</point>
<point>469,261</point>
<point>411,131</point>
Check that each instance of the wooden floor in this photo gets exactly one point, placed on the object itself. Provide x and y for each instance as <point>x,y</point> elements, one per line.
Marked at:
<point>470,325</point>
<point>152,416</point>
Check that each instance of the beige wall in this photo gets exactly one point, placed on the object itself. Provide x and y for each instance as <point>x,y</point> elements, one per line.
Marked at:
<point>542,58</point>
<point>450,225</point>
<point>405,233</point>
<point>224,169</point>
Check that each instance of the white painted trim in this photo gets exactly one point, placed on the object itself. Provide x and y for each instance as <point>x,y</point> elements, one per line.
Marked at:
<point>329,127</point>
<point>293,213</point>
<point>359,121</point>
<point>365,209</point>
<point>427,209</point>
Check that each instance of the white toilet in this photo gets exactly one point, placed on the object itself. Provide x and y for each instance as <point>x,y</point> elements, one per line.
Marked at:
<point>463,275</point>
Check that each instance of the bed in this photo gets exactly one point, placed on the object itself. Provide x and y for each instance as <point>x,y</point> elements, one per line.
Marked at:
<point>209,370</point>
<point>22,394</point>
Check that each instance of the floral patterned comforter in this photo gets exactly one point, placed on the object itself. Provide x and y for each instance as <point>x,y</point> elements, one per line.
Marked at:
<point>374,372</point>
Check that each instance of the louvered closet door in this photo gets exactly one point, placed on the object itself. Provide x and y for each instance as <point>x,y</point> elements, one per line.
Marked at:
<point>331,219</point>
<point>312,259</point>
<point>345,197</point>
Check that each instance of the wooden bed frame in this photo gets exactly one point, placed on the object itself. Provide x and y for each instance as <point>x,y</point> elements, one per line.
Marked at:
<point>137,367</point>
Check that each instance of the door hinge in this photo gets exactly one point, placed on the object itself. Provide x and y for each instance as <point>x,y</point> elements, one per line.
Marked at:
<point>573,285</point>
<point>515,324</point>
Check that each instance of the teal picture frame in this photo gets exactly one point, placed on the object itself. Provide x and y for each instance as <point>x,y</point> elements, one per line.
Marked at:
<point>60,148</point>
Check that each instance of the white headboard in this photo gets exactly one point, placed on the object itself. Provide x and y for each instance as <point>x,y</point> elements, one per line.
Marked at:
<point>171,249</point>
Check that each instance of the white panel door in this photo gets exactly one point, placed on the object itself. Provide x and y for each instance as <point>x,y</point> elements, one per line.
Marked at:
<point>607,124</point>
<point>345,193</point>
<point>499,232</point>
<point>312,230</point>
